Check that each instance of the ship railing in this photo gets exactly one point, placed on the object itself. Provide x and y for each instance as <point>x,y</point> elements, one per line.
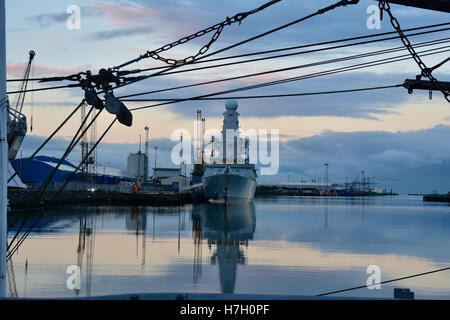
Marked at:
<point>16,115</point>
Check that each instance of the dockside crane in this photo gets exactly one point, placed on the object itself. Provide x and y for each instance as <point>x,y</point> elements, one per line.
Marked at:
<point>24,84</point>
<point>93,156</point>
<point>17,121</point>
<point>147,129</point>
<point>199,157</point>
<point>90,165</point>
<point>84,145</point>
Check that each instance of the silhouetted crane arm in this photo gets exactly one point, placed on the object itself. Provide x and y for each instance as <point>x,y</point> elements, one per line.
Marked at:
<point>24,84</point>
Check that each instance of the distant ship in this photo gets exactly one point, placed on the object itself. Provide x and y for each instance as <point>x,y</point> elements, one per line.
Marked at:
<point>232,179</point>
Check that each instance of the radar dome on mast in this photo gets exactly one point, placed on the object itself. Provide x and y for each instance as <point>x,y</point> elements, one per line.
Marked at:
<point>231,105</point>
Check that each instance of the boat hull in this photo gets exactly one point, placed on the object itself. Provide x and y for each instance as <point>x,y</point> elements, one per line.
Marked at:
<point>221,187</point>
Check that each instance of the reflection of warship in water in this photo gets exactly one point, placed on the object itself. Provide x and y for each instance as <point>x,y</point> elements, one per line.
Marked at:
<point>229,228</point>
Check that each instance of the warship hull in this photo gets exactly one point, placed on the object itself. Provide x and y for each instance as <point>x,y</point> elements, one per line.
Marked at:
<point>222,187</point>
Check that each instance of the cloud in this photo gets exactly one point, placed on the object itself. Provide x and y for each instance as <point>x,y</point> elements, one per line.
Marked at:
<point>366,105</point>
<point>393,157</point>
<point>126,15</point>
<point>159,22</point>
<point>117,33</point>
<point>44,20</point>
<point>132,18</point>
<point>110,154</point>
<point>17,70</point>
<point>48,19</point>
<point>409,162</point>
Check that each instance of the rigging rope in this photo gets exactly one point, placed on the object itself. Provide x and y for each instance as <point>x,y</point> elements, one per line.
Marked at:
<point>284,55</point>
<point>318,12</point>
<point>155,54</point>
<point>384,282</point>
<point>273,95</point>
<point>85,158</point>
<point>324,62</point>
<point>293,47</point>
<point>76,138</point>
<point>46,141</point>
<point>334,71</point>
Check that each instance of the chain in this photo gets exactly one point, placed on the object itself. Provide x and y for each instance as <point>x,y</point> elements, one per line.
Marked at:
<point>425,71</point>
<point>155,54</point>
<point>112,75</point>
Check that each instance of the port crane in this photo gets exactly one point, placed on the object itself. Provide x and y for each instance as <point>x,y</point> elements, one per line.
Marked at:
<point>90,165</point>
<point>199,157</point>
<point>17,121</point>
<point>24,84</point>
<point>147,129</point>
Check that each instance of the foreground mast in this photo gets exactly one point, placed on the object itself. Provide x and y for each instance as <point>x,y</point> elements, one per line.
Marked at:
<point>3,151</point>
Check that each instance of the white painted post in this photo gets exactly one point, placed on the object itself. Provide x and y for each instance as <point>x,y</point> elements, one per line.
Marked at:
<point>3,151</point>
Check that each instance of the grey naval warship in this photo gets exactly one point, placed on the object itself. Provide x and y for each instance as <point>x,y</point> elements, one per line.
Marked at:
<point>232,179</point>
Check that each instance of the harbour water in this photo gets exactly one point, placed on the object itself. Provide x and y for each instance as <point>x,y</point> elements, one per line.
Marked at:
<point>282,245</point>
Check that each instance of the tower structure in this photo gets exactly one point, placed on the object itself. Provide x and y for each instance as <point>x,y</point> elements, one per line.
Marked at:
<point>230,132</point>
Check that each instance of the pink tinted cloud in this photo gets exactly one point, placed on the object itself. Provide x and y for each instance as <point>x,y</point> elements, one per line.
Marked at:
<point>17,70</point>
<point>125,15</point>
<point>165,22</point>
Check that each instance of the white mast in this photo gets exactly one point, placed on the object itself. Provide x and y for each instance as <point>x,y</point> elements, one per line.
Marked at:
<point>231,127</point>
<point>3,151</point>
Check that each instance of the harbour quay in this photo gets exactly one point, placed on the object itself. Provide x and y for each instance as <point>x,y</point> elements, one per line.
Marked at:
<point>20,199</point>
<point>437,197</point>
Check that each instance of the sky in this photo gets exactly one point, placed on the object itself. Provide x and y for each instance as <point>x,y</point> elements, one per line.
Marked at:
<point>396,137</point>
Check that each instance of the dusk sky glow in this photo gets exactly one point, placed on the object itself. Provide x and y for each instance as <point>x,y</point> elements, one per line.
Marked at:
<point>398,138</point>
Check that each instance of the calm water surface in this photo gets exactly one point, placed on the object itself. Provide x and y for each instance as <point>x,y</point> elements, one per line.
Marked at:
<point>283,245</point>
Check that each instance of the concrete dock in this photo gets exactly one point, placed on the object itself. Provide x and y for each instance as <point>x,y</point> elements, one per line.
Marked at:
<point>437,197</point>
<point>28,199</point>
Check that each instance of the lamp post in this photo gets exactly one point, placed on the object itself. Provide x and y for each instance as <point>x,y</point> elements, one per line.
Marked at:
<point>326,176</point>
<point>154,169</point>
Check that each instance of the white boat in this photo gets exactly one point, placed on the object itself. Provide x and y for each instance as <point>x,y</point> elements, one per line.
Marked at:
<point>230,179</point>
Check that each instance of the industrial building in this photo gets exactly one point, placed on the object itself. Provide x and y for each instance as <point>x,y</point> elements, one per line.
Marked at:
<point>137,165</point>
<point>163,173</point>
<point>168,179</point>
<point>178,182</point>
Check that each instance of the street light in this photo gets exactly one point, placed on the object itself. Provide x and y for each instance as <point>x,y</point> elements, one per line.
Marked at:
<point>326,176</point>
